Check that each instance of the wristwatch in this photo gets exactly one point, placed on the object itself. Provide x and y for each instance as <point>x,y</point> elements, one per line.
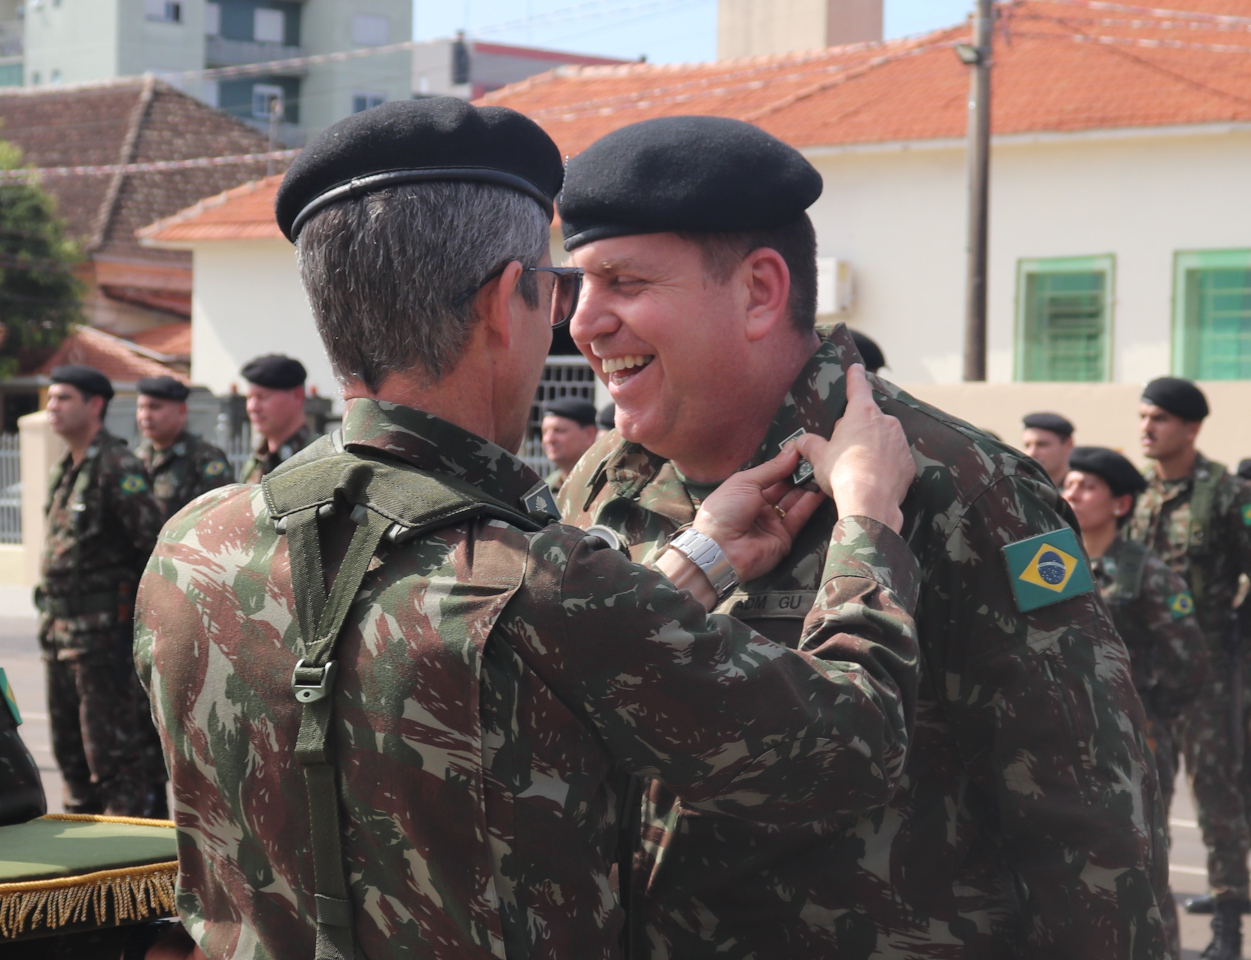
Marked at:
<point>707,555</point>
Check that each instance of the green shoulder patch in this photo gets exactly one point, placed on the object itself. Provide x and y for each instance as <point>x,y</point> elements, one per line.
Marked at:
<point>1246,515</point>
<point>1047,569</point>
<point>133,483</point>
<point>214,467</point>
<point>9,699</point>
<point>1181,604</point>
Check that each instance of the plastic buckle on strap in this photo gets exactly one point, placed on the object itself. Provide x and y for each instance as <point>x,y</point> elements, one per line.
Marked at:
<point>315,683</point>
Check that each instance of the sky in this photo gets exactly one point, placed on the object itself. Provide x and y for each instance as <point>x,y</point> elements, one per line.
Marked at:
<point>665,31</point>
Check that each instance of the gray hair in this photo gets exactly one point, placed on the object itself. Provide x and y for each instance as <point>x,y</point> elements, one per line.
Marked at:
<point>382,271</point>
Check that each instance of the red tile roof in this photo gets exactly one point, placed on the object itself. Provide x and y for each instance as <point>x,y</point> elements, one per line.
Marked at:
<point>170,340</point>
<point>112,356</point>
<point>1060,66</point>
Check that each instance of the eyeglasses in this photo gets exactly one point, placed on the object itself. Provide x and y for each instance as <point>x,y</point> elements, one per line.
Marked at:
<point>565,291</point>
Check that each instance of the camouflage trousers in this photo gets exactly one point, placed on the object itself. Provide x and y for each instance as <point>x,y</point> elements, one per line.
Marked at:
<point>1164,747</point>
<point>102,733</point>
<point>1221,780</point>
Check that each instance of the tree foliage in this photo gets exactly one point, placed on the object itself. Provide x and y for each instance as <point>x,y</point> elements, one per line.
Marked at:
<point>39,293</point>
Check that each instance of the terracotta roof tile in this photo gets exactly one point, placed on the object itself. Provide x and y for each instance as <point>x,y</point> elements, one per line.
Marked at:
<point>243,213</point>
<point>112,356</point>
<point>170,339</point>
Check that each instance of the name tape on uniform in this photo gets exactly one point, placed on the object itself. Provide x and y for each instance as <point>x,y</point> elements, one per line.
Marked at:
<point>1047,569</point>
<point>774,605</point>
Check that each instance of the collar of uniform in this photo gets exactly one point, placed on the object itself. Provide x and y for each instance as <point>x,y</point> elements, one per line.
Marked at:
<point>1201,469</point>
<point>429,443</point>
<point>101,440</point>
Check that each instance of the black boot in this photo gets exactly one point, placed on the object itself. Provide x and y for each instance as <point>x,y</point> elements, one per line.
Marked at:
<point>1207,904</point>
<point>1226,932</point>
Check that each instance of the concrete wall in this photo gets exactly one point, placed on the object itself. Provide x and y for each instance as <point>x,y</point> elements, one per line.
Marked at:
<point>753,28</point>
<point>1106,414</point>
<point>896,213</point>
<point>41,449</point>
<point>78,40</point>
<point>247,300</point>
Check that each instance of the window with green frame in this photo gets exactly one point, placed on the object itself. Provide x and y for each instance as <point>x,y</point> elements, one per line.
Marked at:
<point>1064,318</point>
<point>1212,315</point>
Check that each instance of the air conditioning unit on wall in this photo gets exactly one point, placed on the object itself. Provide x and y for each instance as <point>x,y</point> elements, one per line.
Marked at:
<point>835,289</point>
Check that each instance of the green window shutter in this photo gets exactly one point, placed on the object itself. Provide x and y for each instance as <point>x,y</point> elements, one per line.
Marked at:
<point>1212,315</point>
<point>1064,319</point>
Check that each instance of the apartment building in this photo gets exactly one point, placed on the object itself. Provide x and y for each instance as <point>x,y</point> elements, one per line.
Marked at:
<point>251,58</point>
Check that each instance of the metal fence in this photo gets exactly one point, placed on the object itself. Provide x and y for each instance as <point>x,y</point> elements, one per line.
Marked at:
<point>562,377</point>
<point>10,489</point>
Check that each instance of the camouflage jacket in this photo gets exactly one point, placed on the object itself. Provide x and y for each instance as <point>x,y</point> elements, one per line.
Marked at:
<point>1028,822</point>
<point>263,461</point>
<point>184,470</point>
<point>1166,649</point>
<point>102,522</point>
<point>1162,521</point>
<point>492,686</point>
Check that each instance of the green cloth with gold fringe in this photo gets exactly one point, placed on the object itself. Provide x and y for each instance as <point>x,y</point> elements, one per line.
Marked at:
<point>68,872</point>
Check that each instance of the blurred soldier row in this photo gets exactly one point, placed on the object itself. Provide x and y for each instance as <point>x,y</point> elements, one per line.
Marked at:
<point>105,507</point>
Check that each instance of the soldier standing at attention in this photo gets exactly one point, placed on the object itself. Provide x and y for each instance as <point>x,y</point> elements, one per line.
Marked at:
<point>1028,822</point>
<point>1196,516</point>
<point>102,523</point>
<point>395,697</point>
<point>182,464</point>
<point>1048,438</point>
<point>276,412</point>
<point>1150,604</point>
<point>568,432</point>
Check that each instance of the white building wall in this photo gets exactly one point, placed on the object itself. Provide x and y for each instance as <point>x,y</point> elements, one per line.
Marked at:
<point>898,216</point>
<point>77,41</point>
<point>247,300</point>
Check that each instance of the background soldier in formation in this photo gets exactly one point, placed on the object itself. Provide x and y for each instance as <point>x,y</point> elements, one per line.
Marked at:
<point>276,411</point>
<point>1028,821</point>
<point>1150,604</point>
<point>1196,516</point>
<point>181,464</point>
<point>1048,438</point>
<point>102,522</point>
<point>568,430</point>
<point>496,673</point>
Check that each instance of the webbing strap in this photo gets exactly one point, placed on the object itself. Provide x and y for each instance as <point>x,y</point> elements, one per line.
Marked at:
<point>1130,567</point>
<point>313,682</point>
<point>1202,500</point>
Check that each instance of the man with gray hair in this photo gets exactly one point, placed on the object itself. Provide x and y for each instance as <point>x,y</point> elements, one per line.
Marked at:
<point>395,697</point>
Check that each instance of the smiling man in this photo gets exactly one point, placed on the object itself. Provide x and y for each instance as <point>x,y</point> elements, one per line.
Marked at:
<point>1028,822</point>
<point>1196,516</point>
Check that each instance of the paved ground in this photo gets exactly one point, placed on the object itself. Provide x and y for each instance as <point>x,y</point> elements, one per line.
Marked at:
<point>20,658</point>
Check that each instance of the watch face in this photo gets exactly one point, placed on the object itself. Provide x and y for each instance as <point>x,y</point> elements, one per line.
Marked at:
<point>803,473</point>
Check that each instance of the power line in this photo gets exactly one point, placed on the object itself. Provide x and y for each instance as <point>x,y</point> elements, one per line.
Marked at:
<point>1153,11</point>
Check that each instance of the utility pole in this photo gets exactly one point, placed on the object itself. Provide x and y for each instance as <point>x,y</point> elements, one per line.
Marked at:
<point>275,127</point>
<point>978,56</point>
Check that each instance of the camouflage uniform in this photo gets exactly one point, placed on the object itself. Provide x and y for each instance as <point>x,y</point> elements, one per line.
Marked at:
<point>1028,820</point>
<point>263,462</point>
<point>1219,776</point>
<point>1154,614</point>
<point>102,523</point>
<point>492,686</point>
<point>185,469</point>
<point>556,480</point>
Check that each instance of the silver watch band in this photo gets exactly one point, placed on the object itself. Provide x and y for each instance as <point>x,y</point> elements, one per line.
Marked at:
<point>707,555</point>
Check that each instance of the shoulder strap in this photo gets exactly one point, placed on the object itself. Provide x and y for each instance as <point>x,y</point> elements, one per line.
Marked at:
<point>1202,502</point>
<point>383,499</point>
<point>1131,564</point>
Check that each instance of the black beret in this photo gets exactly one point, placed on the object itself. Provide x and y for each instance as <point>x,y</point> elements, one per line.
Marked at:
<point>411,141</point>
<point>1179,397</point>
<point>1244,469</point>
<point>1057,424</point>
<point>164,388</point>
<point>699,174</point>
<point>87,379</point>
<point>574,408</point>
<point>275,371</point>
<point>870,352</point>
<point>1115,469</point>
<point>607,418</point>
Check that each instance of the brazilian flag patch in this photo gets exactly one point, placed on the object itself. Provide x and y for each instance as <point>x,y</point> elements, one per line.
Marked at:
<point>214,468</point>
<point>1046,569</point>
<point>1181,604</point>
<point>133,483</point>
<point>9,699</point>
<point>1246,515</point>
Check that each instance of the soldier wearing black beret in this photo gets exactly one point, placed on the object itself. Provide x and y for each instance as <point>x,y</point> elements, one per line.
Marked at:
<point>102,522</point>
<point>698,311</point>
<point>276,410</point>
<point>568,430</point>
<point>182,464</point>
<point>1196,515</point>
<point>1048,438</point>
